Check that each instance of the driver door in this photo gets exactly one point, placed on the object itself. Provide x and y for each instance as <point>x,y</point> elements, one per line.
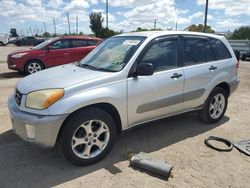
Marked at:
<point>160,94</point>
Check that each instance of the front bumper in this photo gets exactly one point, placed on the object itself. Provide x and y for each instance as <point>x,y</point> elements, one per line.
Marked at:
<point>234,85</point>
<point>46,128</point>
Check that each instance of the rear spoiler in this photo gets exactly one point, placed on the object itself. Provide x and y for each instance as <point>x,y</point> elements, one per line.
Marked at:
<point>237,54</point>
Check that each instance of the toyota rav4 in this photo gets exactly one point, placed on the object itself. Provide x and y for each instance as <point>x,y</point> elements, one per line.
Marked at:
<point>127,80</point>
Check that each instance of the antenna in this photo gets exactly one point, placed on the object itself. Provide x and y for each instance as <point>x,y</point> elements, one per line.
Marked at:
<point>154,24</point>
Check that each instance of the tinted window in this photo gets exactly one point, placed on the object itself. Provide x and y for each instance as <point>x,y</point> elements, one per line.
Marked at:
<point>60,44</point>
<point>220,49</point>
<point>163,55</point>
<point>209,52</point>
<point>194,51</point>
<point>92,42</point>
<point>79,43</point>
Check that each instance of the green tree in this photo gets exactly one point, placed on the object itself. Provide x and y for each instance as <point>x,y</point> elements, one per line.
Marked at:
<point>81,33</point>
<point>106,32</point>
<point>96,23</point>
<point>13,32</point>
<point>199,28</point>
<point>46,34</point>
<point>241,33</point>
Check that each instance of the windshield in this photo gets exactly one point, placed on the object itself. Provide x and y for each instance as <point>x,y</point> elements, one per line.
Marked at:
<point>113,54</point>
<point>43,44</point>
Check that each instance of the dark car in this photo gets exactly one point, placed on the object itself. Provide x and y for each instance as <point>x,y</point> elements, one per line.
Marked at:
<point>53,52</point>
<point>33,41</point>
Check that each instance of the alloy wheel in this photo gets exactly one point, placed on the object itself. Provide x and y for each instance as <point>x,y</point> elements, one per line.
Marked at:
<point>90,139</point>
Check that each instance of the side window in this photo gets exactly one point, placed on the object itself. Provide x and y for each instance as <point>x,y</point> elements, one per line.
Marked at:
<point>79,43</point>
<point>92,42</point>
<point>60,44</point>
<point>220,49</point>
<point>194,51</point>
<point>163,55</point>
<point>209,52</point>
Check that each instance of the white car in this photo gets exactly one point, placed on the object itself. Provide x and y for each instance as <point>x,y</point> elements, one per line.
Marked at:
<point>4,39</point>
<point>127,80</point>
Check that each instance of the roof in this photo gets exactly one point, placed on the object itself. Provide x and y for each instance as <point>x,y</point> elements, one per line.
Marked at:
<point>154,34</point>
<point>79,37</point>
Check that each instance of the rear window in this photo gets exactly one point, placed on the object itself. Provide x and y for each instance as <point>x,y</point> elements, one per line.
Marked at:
<point>197,50</point>
<point>79,43</point>
<point>194,51</point>
<point>220,49</point>
<point>92,42</point>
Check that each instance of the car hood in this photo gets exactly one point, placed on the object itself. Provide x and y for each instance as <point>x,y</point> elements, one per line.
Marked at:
<point>21,51</point>
<point>58,77</point>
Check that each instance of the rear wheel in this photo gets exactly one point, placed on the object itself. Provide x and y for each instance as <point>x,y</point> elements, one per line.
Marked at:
<point>215,106</point>
<point>33,66</point>
<point>87,136</point>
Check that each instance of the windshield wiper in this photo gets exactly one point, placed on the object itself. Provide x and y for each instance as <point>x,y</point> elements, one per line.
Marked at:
<point>95,68</point>
<point>88,66</point>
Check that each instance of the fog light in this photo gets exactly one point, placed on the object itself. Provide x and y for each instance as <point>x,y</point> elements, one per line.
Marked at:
<point>30,131</point>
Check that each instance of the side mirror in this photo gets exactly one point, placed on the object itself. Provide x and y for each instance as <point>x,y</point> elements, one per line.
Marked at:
<point>144,69</point>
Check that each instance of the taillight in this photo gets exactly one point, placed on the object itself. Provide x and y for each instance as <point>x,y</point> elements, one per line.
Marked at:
<point>237,66</point>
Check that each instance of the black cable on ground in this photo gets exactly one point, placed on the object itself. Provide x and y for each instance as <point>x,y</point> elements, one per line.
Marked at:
<point>227,142</point>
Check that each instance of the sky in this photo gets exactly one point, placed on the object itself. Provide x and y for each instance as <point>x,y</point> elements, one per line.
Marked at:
<point>29,16</point>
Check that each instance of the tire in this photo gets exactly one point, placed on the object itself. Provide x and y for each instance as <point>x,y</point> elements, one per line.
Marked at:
<point>33,66</point>
<point>89,127</point>
<point>1,43</point>
<point>215,106</point>
<point>243,58</point>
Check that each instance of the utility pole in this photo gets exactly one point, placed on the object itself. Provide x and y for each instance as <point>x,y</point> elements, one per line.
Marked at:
<point>107,12</point>
<point>205,19</point>
<point>54,25</point>
<point>44,25</point>
<point>77,25</point>
<point>68,22</point>
<point>154,24</point>
<point>176,25</point>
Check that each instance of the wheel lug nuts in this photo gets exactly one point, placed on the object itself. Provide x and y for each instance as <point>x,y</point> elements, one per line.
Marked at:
<point>94,140</point>
<point>86,140</point>
<point>89,134</point>
<point>89,143</point>
<point>95,135</point>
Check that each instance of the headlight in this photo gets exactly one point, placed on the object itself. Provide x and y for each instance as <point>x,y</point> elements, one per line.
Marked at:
<point>18,55</point>
<point>44,98</point>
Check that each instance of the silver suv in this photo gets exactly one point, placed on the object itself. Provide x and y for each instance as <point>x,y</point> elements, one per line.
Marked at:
<point>128,80</point>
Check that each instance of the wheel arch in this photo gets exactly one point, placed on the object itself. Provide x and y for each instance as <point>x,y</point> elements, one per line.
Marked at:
<point>107,107</point>
<point>34,59</point>
<point>224,86</point>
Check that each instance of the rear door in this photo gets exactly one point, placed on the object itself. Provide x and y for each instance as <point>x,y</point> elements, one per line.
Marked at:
<point>200,67</point>
<point>80,48</point>
<point>58,53</point>
<point>160,94</point>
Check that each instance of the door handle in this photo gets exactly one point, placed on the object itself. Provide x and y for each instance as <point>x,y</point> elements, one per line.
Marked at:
<point>212,68</point>
<point>176,75</point>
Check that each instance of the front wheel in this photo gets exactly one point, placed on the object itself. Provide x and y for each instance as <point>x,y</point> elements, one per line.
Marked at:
<point>87,136</point>
<point>33,66</point>
<point>215,106</point>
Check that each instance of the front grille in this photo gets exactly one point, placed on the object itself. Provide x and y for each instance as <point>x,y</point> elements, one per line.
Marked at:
<point>18,97</point>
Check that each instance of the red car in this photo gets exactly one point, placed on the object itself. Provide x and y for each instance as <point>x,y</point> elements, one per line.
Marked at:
<point>57,51</point>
